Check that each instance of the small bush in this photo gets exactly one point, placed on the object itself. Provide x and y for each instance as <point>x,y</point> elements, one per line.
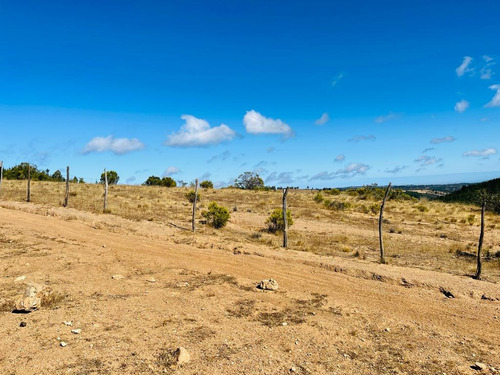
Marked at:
<point>217,216</point>
<point>471,218</point>
<point>422,208</point>
<point>275,221</point>
<point>207,184</point>
<point>333,192</point>
<point>190,196</point>
<point>337,206</point>
<point>318,198</point>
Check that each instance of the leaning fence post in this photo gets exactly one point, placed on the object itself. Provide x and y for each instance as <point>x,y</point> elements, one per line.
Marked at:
<point>66,196</point>
<point>382,258</point>
<point>105,191</point>
<point>194,201</point>
<point>285,221</point>
<point>28,189</point>
<point>477,276</point>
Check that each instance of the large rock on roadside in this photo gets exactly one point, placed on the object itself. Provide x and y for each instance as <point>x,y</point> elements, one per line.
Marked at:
<point>268,284</point>
<point>31,299</point>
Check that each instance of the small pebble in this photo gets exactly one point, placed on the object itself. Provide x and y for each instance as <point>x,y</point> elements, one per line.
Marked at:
<point>22,324</point>
<point>76,331</point>
<point>63,344</point>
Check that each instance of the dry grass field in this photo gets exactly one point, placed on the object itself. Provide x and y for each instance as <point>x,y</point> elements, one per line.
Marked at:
<point>337,311</point>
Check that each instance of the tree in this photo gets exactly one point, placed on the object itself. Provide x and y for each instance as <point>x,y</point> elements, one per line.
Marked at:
<point>207,184</point>
<point>112,178</point>
<point>168,182</point>
<point>249,181</point>
<point>57,176</point>
<point>157,181</point>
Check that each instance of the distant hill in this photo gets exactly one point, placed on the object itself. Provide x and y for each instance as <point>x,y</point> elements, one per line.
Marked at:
<point>471,194</point>
<point>430,191</point>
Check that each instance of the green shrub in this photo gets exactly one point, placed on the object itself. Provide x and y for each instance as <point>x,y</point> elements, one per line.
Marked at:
<point>318,198</point>
<point>333,192</point>
<point>275,221</point>
<point>471,218</point>
<point>422,208</point>
<point>337,206</point>
<point>217,216</point>
<point>190,196</point>
<point>207,184</point>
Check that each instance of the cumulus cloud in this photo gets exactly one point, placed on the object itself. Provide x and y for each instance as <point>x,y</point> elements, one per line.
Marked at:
<point>388,117</point>
<point>480,153</point>
<point>116,145</point>
<point>339,158</point>
<point>323,119</point>
<point>495,102</point>
<point>337,79</point>
<point>197,132</point>
<point>446,139</point>
<point>352,170</point>
<point>461,106</point>
<point>359,138</point>
<point>465,66</point>
<point>255,123</point>
<point>170,171</point>
<point>396,169</point>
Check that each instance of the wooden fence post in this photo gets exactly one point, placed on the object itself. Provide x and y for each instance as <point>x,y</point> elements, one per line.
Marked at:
<point>382,258</point>
<point>1,174</point>
<point>105,191</point>
<point>66,196</point>
<point>477,276</point>
<point>285,221</point>
<point>28,192</point>
<point>194,202</point>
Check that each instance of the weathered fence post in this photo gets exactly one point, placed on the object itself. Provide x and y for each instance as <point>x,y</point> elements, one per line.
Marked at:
<point>194,202</point>
<point>477,276</point>
<point>28,192</point>
<point>382,258</point>
<point>66,196</point>
<point>105,191</point>
<point>1,174</point>
<point>285,221</point>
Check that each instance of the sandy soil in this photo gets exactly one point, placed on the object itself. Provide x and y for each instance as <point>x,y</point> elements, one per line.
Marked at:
<point>329,316</point>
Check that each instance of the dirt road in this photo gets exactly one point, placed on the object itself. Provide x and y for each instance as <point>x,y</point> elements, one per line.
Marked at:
<point>329,316</point>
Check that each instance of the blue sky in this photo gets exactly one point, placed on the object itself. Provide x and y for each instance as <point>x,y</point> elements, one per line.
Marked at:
<point>316,93</point>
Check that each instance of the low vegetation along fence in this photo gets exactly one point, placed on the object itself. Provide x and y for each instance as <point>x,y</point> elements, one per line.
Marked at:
<point>173,204</point>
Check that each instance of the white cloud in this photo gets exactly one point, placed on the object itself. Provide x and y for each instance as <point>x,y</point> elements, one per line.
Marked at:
<point>465,66</point>
<point>281,178</point>
<point>197,132</point>
<point>481,153</point>
<point>426,160</point>
<point>337,79</point>
<point>359,138</point>
<point>339,158</point>
<point>116,145</point>
<point>255,123</point>
<point>220,157</point>
<point>352,170</point>
<point>462,106</point>
<point>446,139</point>
<point>323,119</point>
<point>486,71</point>
<point>170,171</point>
<point>495,102</point>
<point>396,169</point>
<point>388,117</point>
<point>427,150</point>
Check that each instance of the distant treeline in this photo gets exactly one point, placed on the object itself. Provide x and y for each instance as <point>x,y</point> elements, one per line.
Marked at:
<point>476,193</point>
<point>20,172</point>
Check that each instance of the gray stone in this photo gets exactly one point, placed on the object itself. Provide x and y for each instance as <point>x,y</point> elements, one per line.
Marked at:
<point>268,284</point>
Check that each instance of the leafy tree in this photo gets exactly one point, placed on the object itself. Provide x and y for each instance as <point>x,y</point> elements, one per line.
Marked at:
<point>112,177</point>
<point>275,221</point>
<point>157,181</point>
<point>249,181</point>
<point>168,182</point>
<point>207,184</point>
<point>217,216</point>
<point>57,176</point>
